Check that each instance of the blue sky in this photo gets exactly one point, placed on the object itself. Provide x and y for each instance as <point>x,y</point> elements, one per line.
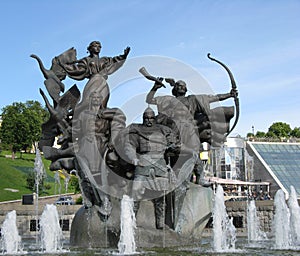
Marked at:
<point>258,40</point>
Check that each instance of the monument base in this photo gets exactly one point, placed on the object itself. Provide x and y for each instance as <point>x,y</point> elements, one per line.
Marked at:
<point>193,212</point>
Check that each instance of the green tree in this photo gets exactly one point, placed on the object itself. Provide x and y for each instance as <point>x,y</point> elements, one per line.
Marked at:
<point>31,181</point>
<point>260,134</point>
<point>250,134</point>
<point>21,125</point>
<point>279,130</point>
<point>296,132</point>
<point>74,183</point>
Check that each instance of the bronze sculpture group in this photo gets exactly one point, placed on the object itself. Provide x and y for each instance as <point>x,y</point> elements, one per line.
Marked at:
<point>145,161</point>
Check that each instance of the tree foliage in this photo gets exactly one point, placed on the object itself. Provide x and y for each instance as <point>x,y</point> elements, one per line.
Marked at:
<point>296,132</point>
<point>74,183</point>
<point>250,134</point>
<point>279,130</point>
<point>32,185</point>
<point>21,124</point>
<point>260,134</point>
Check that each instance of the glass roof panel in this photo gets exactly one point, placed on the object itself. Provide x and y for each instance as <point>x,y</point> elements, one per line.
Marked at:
<point>284,161</point>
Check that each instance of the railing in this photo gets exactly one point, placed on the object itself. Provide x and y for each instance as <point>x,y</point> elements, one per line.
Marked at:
<point>267,139</point>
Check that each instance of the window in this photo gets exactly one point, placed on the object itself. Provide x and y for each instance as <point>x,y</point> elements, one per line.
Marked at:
<point>33,226</point>
<point>238,221</point>
<point>64,224</point>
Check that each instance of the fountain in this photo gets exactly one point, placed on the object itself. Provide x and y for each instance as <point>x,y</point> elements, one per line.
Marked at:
<point>253,224</point>
<point>127,244</point>
<point>281,225</point>
<point>39,170</point>
<point>224,234</point>
<point>57,183</point>
<point>40,173</point>
<point>294,218</point>
<point>50,230</point>
<point>286,223</point>
<point>10,239</point>
<point>105,177</point>
<point>67,179</point>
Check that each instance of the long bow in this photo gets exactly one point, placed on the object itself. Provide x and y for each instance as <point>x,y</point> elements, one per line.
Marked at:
<point>234,88</point>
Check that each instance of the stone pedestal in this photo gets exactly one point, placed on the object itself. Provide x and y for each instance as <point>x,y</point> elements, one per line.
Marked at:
<point>89,230</point>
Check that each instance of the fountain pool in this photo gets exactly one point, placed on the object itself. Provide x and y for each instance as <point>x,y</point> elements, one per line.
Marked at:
<point>202,248</point>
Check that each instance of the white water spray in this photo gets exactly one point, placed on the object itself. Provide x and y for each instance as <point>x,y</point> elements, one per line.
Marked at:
<point>40,174</point>
<point>294,218</point>
<point>127,244</point>
<point>253,224</point>
<point>224,232</point>
<point>11,241</point>
<point>57,182</point>
<point>50,231</point>
<point>281,223</point>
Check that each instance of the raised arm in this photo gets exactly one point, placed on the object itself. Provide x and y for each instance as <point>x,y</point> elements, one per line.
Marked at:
<point>112,64</point>
<point>122,56</point>
<point>150,96</point>
<point>222,96</point>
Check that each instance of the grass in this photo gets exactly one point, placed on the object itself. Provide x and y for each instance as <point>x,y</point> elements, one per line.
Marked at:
<point>13,174</point>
